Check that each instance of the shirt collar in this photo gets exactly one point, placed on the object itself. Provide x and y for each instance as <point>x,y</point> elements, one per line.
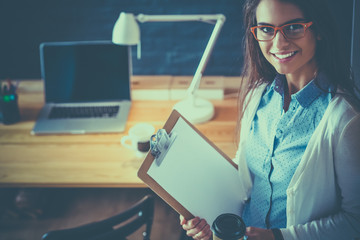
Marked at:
<point>316,87</point>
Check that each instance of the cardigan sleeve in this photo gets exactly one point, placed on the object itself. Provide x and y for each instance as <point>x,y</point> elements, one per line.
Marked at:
<point>344,223</point>
<point>347,170</point>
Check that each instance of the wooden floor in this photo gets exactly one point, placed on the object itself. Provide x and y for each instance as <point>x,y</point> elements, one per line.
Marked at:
<point>65,208</point>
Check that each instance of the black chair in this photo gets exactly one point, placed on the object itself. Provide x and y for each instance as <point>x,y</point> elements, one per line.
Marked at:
<point>114,228</point>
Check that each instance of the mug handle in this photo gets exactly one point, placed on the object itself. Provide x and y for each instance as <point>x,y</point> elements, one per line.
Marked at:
<point>124,140</point>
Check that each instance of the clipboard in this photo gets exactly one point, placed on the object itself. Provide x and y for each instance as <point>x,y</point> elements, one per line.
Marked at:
<point>187,207</point>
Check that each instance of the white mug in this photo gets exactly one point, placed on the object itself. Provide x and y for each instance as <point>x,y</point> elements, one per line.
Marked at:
<point>139,137</point>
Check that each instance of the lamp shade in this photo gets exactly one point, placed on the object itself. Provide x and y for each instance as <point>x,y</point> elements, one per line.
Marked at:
<point>126,30</point>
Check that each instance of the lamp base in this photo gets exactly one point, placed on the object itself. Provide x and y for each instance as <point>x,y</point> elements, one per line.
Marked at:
<point>195,110</point>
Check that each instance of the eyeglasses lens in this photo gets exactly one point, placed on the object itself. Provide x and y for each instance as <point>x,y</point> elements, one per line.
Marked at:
<point>292,31</point>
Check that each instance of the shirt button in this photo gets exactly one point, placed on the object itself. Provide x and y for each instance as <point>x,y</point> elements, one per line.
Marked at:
<point>279,133</point>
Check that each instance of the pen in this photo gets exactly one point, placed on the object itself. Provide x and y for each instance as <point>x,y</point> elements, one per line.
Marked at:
<point>4,89</point>
<point>11,87</point>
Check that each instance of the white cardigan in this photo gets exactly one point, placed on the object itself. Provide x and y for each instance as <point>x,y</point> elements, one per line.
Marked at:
<point>323,197</point>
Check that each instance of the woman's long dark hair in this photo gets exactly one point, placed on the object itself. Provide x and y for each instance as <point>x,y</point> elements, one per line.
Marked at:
<point>257,70</point>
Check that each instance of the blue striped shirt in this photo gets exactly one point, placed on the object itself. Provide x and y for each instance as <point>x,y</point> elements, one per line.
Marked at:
<point>275,145</point>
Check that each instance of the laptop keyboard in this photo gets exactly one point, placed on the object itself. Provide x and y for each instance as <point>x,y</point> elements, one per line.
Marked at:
<point>84,112</point>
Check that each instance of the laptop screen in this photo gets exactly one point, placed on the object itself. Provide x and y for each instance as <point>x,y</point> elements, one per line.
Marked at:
<point>85,71</point>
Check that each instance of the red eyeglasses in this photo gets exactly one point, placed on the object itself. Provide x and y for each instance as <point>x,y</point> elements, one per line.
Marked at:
<point>290,31</point>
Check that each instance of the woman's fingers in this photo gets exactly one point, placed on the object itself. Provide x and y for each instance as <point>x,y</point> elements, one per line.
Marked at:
<point>191,224</point>
<point>205,233</point>
<point>196,228</point>
<point>200,229</point>
<point>254,233</point>
<point>182,220</point>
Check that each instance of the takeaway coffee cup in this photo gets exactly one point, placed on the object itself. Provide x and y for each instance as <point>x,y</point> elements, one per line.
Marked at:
<point>138,138</point>
<point>228,226</point>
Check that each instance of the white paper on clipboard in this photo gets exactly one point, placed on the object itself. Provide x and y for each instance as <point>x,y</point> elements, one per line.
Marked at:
<point>198,176</point>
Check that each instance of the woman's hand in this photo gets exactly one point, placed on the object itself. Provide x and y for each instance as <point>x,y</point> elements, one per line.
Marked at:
<point>196,228</point>
<point>254,233</point>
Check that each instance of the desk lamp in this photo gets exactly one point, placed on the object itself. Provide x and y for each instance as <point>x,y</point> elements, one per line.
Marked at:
<point>127,32</point>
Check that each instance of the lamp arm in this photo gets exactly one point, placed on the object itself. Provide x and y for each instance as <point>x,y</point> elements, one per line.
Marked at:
<point>195,83</point>
<point>179,18</point>
<point>211,18</point>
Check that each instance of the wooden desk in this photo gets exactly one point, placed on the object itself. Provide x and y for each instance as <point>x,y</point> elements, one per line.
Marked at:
<point>93,160</point>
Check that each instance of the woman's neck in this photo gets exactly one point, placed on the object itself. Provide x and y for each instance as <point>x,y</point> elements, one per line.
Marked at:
<point>299,79</point>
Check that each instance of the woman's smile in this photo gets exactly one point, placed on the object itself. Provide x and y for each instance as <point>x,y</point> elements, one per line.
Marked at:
<point>283,57</point>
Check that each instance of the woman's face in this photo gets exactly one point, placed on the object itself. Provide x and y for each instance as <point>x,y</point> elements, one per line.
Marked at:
<point>287,56</point>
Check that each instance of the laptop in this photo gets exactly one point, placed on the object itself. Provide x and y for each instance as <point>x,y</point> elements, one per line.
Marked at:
<point>87,87</point>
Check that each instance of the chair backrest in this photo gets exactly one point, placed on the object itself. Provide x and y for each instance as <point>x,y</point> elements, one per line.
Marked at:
<point>114,228</point>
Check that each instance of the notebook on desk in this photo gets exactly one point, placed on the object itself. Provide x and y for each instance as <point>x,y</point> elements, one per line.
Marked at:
<point>87,87</point>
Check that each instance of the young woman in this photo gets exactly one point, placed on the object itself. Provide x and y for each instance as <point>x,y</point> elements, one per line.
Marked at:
<point>299,153</point>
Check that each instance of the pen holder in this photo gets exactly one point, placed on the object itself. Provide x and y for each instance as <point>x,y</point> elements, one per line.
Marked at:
<point>10,109</point>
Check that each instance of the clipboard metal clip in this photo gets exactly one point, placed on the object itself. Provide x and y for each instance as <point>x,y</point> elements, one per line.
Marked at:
<point>160,144</point>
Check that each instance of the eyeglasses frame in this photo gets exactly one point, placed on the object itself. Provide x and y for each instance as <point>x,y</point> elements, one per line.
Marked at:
<point>276,29</point>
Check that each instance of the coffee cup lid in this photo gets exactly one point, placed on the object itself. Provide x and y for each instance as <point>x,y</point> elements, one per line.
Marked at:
<point>229,226</point>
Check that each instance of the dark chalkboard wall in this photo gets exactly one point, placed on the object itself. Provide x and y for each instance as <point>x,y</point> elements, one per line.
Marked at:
<point>167,48</point>
<point>355,56</point>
